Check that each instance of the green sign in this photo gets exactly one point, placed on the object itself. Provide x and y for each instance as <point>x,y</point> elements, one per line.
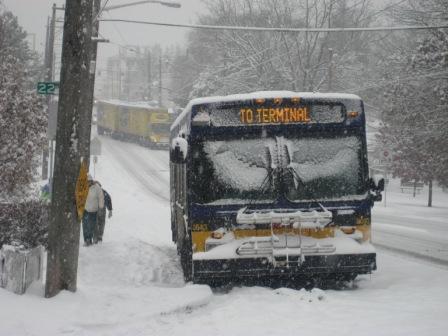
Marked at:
<point>47,88</point>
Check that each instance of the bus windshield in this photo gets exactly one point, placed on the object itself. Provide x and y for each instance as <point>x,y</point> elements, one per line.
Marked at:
<point>247,170</point>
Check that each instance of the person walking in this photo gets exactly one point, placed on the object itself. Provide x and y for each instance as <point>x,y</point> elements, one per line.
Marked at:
<point>101,222</point>
<point>94,204</point>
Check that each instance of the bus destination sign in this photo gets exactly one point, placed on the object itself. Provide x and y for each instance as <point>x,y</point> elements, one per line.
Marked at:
<point>271,115</point>
<point>278,115</point>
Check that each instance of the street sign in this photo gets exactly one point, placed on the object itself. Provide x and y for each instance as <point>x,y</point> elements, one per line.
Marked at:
<point>48,88</point>
<point>82,189</point>
<point>95,146</point>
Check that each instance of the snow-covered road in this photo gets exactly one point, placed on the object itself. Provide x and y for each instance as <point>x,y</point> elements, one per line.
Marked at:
<point>149,168</point>
<point>132,283</point>
<point>406,225</point>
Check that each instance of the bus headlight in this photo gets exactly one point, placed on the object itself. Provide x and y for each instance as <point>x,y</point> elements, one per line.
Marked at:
<point>218,237</point>
<point>218,234</point>
<point>348,230</point>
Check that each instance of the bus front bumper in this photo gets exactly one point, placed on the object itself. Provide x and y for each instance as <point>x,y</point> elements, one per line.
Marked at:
<point>208,270</point>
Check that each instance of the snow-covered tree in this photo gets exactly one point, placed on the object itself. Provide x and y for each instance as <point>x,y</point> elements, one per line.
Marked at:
<point>416,100</point>
<point>228,62</point>
<point>22,117</point>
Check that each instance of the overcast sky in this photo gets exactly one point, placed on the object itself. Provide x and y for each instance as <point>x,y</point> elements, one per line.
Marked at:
<point>32,15</point>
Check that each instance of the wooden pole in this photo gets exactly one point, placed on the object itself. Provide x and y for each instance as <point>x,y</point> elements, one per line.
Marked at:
<point>64,230</point>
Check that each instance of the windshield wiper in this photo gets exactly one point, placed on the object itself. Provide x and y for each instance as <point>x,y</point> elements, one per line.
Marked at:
<point>299,180</point>
<point>309,192</point>
<point>267,181</point>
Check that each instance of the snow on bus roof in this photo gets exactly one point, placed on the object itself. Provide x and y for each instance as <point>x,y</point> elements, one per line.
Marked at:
<point>262,94</point>
<point>273,94</point>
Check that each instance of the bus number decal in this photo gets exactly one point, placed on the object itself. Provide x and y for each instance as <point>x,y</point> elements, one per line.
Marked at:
<point>199,227</point>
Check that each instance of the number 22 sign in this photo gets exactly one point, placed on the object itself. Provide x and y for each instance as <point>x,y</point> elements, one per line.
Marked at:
<point>47,87</point>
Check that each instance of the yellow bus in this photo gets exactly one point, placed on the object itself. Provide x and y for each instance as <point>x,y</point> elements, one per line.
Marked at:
<point>137,122</point>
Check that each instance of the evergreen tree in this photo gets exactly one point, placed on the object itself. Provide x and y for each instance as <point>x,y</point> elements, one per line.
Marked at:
<point>22,117</point>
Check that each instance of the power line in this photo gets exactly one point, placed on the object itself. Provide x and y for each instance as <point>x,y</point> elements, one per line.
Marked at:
<point>284,30</point>
<point>119,32</point>
<point>98,15</point>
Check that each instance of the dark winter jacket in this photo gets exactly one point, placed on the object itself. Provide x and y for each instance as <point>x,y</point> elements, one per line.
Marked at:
<point>107,200</point>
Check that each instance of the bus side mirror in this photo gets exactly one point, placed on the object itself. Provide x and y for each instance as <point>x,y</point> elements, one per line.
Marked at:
<point>378,197</point>
<point>377,188</point>
<point>376,185</point>
<point>179,150</point>
<point>371,184</point>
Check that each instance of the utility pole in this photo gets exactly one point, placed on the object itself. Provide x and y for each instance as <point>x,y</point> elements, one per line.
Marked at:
<point>49,53</point>
<point>47,70</point>
<point>86,111</point>
<point>120,94</point>
<point>127,77</point>
<point>64,230</point>
<point>49,74</point>
<point>148,67</point>
<point>160,79</point>
<point>330,70</point>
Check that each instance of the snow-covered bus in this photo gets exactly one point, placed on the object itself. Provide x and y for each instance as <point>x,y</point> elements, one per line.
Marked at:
<point>272,186</point>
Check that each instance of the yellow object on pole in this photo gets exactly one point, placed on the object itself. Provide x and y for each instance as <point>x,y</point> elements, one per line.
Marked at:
<point>82,189</point>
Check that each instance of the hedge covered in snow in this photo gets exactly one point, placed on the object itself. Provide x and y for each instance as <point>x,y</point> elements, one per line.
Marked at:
<point>24,224</point>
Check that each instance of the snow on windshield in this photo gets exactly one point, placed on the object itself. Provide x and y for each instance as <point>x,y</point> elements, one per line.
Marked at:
<point>313,158</point>
<point>239,164</point>
<point>312,168</point>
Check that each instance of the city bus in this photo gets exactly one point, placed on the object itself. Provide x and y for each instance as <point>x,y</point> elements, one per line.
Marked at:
<point>272,186</point>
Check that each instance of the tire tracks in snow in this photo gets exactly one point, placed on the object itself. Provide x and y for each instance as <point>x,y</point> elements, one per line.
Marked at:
<point>153,172</point>
<point>150,182</point>
<point>434,252</point>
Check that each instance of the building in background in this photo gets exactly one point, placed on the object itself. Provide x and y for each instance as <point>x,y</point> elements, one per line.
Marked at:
<point>136,74</point>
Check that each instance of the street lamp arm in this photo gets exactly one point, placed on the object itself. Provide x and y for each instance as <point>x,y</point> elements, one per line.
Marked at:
<point>164,3</point>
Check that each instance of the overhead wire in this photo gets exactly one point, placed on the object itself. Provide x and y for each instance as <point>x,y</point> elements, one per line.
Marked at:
<point>119,32</point>
<point>98,15</point>
<point>279,29</point>
<point>317,30</point>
